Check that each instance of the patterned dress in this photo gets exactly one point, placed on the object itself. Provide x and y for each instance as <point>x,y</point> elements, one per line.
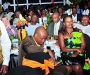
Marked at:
<point>73,42</point>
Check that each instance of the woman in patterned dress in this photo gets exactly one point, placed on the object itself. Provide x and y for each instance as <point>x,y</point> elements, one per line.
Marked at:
<point>72,44</point>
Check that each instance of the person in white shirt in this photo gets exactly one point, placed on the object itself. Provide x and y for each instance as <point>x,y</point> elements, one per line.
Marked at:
<point>84,26</point>
<point>76,17</point>
<point>5,46</point>
<point>6,5</point>
<point>86,10</point>
<point>32,25</point>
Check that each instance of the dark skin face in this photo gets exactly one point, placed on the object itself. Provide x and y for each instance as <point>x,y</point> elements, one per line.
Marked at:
<point>74,11</point>
<point>43,12</point>
<point>34,19</point>
<point>55,17</point>
<point>17,14</point>
<point>60,10</point>
<point>40,35</point>
<point>30,13</point>
<point>85,20</point>
<point>68,22</point>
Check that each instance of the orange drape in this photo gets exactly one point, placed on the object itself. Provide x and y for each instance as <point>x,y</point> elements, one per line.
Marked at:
<point>35,64</point>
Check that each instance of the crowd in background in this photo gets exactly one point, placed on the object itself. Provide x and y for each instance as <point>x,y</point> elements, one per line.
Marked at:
<point>56,19</point>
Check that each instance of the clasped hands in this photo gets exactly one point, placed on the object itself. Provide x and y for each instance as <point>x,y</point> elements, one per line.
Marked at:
<point>77,52</point>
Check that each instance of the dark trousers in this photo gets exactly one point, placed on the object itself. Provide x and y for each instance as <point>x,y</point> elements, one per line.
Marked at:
<point>60,70</point>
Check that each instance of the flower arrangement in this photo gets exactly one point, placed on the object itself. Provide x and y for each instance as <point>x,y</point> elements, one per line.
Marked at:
<point>49,19</point>
<point>87,64</point>
<point>21,21</point>
<point>73,1</point>
<point>21,27</point>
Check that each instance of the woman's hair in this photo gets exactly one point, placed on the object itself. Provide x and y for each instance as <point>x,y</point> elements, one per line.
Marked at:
<point>4,17</point>
<point>63,28</point>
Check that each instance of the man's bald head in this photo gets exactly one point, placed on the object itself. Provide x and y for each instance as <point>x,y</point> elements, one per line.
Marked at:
<point>41,30</point>
<point>56,17</point>
<point>55,13</point>
<point>40,35</point>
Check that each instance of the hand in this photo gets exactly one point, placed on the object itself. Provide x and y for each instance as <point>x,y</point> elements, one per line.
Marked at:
<point>51,59</point>
<point>79,50</point>
<point>12,30</point>
<point>8,24</point>
<point>51,55</point>
<point>4,69</point>
<point>74,55</point>
<point>57,63</point>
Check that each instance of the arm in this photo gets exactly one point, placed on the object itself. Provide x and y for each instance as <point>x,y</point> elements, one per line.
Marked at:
<point>14,31</point>
<point>29,47</point>
<point>62,45</point>
<point>6,46</point>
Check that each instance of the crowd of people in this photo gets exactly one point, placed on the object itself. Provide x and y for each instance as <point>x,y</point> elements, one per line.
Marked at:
<point>68,25</point>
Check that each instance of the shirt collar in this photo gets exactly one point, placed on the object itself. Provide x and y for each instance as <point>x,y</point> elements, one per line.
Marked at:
<point>57,22</point>
<point>35,41</point>
<point>74,16</point>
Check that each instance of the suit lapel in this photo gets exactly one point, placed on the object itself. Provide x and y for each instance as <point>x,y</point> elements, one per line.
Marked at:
<point>32,41</point>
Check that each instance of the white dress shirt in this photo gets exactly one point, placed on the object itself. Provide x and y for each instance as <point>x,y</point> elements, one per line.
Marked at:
<point>74,18</point>
<point>86,12</point>
<point>56,28</point>
<point>85,29</point>
<point>31,28</point>
<point>6,44</point>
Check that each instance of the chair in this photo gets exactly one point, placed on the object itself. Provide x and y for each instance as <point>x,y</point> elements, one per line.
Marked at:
<point>22,70</point>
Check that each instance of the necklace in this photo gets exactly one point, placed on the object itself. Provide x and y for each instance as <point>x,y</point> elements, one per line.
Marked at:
<point>69,32</point>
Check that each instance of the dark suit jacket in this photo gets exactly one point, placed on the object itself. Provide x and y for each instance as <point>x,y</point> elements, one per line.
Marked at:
<point>50,28</point>
<point>27,46</point>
